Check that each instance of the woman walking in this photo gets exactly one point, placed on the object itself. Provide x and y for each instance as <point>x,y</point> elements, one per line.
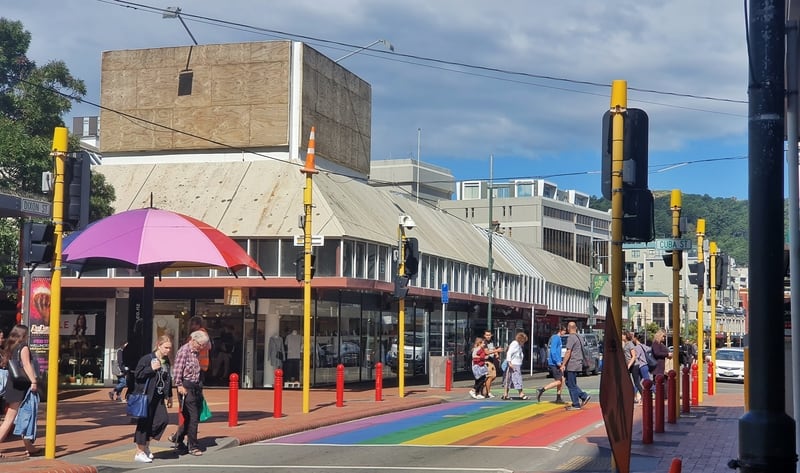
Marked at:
<point>629,347</point>
<point>21,395</point>
<point>479,368</point>
<point>153,378</point>
<point>513,375</point>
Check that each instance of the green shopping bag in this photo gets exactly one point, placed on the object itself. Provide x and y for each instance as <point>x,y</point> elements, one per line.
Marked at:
<point>205,412</point>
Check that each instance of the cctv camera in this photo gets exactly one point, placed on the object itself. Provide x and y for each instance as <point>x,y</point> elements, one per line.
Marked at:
<point>407,222</point>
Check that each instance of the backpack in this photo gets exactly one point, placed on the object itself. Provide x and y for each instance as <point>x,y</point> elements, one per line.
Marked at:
<point>3,381</point>
<point>584,353</point>
<point>652,363</point>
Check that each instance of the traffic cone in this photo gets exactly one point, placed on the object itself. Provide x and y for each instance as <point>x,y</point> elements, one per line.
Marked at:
<point>309,167</point>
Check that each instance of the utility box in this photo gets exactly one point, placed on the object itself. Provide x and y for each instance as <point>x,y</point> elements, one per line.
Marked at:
<point>437,371</point>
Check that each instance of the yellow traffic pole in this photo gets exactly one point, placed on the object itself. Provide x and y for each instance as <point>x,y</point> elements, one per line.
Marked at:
<point>712,291</point>
<point>677,259</point>
<point>309,170</point>
<point>59,152</point>
<point>401,315</point>
<point>701,233</point>
<point>619,105</point>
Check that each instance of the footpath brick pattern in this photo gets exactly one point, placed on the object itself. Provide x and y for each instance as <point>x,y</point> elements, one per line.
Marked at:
<point>89,424</point>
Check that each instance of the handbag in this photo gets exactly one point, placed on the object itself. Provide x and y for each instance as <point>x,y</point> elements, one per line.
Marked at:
<point>138,403</point>
<point>504,365</point>
<point>205,412</point>
<point>652,363</point>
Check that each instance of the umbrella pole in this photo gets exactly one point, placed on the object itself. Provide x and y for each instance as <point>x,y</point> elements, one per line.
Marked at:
<point>148,301</point>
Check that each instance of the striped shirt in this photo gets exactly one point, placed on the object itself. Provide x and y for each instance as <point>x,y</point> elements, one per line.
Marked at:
<point>186,367</point>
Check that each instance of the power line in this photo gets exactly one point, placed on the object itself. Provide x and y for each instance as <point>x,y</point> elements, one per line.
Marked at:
<point>392,55</point>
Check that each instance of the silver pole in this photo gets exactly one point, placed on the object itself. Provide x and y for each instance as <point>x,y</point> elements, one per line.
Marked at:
<point>419,139</point>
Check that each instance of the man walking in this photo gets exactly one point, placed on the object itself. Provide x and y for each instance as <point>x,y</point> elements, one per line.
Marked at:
<point>492,362</point>
<point>554,366</point>
<point>572,365</point>
<point>186,376</point>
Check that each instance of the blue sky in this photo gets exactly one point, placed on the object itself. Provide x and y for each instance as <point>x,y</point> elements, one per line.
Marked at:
<point>527,82</point>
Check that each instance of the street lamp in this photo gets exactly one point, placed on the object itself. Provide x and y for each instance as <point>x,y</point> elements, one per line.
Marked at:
<point>186,76</point>
<point>386,43</point>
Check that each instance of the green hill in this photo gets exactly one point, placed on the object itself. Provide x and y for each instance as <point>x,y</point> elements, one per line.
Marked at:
<point>726,220</point>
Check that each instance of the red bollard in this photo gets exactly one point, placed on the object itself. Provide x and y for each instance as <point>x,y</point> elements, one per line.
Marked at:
<point>647,412</point>
<point>378,382</point>
<point>685,391</point>
<point>340,385</point>
<point>695,385</point>
<point>233,400</point>
<point>710,378</point>
<point>676,466</point>
<point>278,394</point>
<point>448,375</point>
<point>659,423</point>
<point>672,397</point>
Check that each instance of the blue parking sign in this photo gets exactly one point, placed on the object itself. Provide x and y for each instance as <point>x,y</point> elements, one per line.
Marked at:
<point>445,294</point>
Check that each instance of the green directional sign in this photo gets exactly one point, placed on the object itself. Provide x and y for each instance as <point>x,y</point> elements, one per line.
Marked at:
<point>670,244</point>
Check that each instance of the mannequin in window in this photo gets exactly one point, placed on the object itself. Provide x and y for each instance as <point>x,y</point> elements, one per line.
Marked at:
<point>275,350</point>
<point>294,343</point>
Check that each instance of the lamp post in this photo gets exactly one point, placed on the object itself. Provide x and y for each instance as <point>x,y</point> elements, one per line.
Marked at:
<point>386,43</point>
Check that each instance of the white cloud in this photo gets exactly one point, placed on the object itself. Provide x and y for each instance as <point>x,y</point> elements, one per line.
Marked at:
<point>681,46</point>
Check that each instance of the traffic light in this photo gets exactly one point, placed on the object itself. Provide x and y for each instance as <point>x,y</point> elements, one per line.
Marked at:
<point>400,287</point>
<point>697,273</point>
<point>668,260</point>
<point>411,254</point>
<point>638,220</point>
<point>721,272</point>
<point>634,151</point>
<point>77,184</point>
<point>300,266</point>
<point>37,243</point>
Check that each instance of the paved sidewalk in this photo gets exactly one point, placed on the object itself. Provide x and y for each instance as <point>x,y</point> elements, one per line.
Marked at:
<point>93,432</point>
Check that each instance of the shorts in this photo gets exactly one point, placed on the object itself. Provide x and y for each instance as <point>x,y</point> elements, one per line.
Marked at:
<point>555,372</point>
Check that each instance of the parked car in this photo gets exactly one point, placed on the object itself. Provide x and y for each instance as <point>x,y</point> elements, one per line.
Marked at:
<point>592,344</point>
<point>414,356</point>
<point>730,364</point>
<point>348,355</point>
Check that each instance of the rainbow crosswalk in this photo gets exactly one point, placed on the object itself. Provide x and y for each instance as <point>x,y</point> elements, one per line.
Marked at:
<point>462,423</point>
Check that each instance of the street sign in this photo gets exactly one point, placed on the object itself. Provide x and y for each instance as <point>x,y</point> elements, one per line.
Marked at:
<point>316,240</point>
<point>670,244</point>
<point>445,293</point>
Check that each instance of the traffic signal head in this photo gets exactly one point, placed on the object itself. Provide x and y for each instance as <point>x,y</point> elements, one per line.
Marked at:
<point>697,273</point>
<point>411,256</point>
<point>77,182</point>
<point>300,266</point>
<point>721,272</point>
<point>634,154</point>
<point>400,287</point>
<point>37,242</point>
<point>668,260</point>
<point>638,221</point>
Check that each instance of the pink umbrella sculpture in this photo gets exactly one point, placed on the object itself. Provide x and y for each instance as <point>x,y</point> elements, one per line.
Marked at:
<point>150,241</point>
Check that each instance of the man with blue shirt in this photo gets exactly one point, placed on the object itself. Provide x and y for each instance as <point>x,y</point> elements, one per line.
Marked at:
<point>554,366</point>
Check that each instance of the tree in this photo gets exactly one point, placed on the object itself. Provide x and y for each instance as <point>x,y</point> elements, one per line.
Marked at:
<point>33,100</point>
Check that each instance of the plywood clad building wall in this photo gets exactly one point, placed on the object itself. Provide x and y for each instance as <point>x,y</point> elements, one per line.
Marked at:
<point>339,104</point>
<point>240,97</point>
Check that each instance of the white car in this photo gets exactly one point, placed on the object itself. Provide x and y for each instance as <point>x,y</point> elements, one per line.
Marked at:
<point>730,364</point>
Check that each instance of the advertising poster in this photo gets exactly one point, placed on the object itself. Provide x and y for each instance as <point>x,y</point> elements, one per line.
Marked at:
<point>39,320</point>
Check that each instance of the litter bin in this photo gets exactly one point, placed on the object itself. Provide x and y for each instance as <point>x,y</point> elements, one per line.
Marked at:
<point>437,370</point>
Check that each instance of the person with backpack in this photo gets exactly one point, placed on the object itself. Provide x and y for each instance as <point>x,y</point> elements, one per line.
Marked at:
<point>120,370</point>
<point>641,357</point>
<point>572,365</point>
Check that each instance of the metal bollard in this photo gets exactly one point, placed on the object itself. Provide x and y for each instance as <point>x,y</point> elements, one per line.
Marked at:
<point>710,379</point>
<point>278,394</point>
<point>685,391</point>
<point>448,375</point>
<point>659,422</point>
<point>378,382</point>
<point>695,385</point>
<point>233,400</point>
<point>647,412</point>
<point>672,397</point>
<point>340,385</point>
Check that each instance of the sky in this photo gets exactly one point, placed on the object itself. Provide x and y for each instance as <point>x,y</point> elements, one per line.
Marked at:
<point>526,82</point>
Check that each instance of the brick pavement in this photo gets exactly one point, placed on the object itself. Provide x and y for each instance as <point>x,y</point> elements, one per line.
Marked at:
<point>90,426</point>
